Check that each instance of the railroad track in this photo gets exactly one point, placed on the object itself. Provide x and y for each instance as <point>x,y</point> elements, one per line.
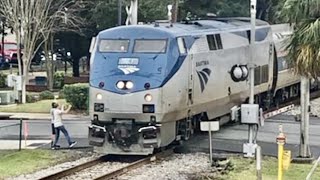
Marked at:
<point>72,170</point>
<point>109,175</point>
<point>149,159</point>
<point>136,164</point>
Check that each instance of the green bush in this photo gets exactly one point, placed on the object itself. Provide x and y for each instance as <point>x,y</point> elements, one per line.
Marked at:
<point>58,80</point>
<point>61,95</point>
<point>31,98</point>
<point>77,95</point>
<point>46,95</point>
<point>3,79</point>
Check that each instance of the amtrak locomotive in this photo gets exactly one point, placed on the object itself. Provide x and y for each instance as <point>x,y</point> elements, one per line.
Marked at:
<point>150,85</point>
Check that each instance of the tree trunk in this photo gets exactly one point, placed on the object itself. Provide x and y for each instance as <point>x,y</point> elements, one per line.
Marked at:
<point>49,62</point>
<point>304,126</point>
<point>24,81</point>
<point>75,65</point>
<point>88,62</point>
<point>18,36</point>
<point>174,11</point>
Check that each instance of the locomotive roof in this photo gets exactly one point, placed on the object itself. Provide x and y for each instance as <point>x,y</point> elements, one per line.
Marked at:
<point>197,26</point>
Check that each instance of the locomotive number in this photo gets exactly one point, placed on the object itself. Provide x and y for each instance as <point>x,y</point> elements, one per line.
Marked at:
<point>128,61</point>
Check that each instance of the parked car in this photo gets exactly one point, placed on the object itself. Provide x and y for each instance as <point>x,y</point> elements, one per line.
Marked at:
<point>10,53</point>
<point>9,50</point>
<point>4,63</point>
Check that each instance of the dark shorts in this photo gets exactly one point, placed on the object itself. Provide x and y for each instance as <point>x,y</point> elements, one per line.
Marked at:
<point>53,129</point>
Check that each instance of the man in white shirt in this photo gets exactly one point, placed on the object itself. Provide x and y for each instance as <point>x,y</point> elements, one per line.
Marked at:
<point>53,131</point>
<point>58,125</point>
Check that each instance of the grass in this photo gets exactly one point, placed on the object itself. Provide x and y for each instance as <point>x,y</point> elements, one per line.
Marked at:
<point>13,163</point>
<point>7,71</point>
<point>42,106</point>
<point>244,169</point>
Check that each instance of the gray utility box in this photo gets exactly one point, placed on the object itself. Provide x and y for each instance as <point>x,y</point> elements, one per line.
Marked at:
<point>250,113</point>
<point>7,97</point>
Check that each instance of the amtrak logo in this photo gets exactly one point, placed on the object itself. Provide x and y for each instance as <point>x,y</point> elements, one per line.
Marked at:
<point>204,75</point>
<point>128,69</point>
<point>128,65</point>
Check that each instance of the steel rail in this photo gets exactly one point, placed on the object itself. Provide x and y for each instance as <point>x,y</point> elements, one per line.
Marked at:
<point>72,170</point>
<point>135,165</point>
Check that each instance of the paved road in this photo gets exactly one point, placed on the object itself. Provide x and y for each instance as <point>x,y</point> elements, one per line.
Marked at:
<point>229,138</point>
<point>41,129</point>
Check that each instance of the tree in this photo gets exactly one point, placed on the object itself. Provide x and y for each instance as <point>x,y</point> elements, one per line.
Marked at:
<point>33,21</point>
<point>304,54</point>
<point>274,12</point>
<point>72,22</point>
<point>222,8</point>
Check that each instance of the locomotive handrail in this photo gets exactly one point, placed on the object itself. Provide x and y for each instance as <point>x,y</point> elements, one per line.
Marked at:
<point>98,127</point>
<point>147,128</point>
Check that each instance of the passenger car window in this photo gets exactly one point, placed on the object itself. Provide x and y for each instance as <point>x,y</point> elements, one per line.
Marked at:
<point>150,46</point>
<point>114,45</point>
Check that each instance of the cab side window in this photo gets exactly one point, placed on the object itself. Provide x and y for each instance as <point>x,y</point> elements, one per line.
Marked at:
<point>214,41</point>
<point>181,45</point>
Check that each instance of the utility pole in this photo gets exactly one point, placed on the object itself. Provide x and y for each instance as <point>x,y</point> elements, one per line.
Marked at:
<point>304,126</point>
<point>252,42</point>
<point>3,34</point>
<point>119,12</point>
<point>249,148</point>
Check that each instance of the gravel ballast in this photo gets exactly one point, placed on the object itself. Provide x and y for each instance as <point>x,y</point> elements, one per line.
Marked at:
<point>177,166</point>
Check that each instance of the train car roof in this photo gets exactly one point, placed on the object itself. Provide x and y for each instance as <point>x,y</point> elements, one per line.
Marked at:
<point>197,27</point>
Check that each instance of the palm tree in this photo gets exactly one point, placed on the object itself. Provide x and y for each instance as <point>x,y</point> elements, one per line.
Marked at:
<point>304,54</point>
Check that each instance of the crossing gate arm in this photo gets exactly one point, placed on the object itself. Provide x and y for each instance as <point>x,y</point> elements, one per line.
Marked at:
<point>278,111</point>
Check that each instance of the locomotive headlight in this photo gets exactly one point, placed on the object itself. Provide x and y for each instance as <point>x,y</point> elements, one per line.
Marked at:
<point>99,96</point>
<point>148,97</point>
<point>129,85</point>
<point>237,72</point>
<point>120,84</point>
<point>244,71</point>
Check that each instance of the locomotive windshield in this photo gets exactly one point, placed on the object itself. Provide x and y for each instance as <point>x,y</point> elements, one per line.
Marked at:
<point>150,46</point>
<point>114,45</point>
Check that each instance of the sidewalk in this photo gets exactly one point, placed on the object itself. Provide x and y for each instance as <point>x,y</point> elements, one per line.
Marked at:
<point>29,144</point>
<point>82,143</point>
<point>42,116</point>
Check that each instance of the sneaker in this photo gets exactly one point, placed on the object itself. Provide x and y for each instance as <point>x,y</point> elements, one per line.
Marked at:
<point>73,144</point>
<point>55,146</point>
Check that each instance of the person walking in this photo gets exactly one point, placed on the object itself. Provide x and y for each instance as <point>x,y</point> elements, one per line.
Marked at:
<point>58,125</point>
<point>53,131</point>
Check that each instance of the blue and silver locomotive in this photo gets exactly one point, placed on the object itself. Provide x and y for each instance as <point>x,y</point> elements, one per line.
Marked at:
<point>150,85</point>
